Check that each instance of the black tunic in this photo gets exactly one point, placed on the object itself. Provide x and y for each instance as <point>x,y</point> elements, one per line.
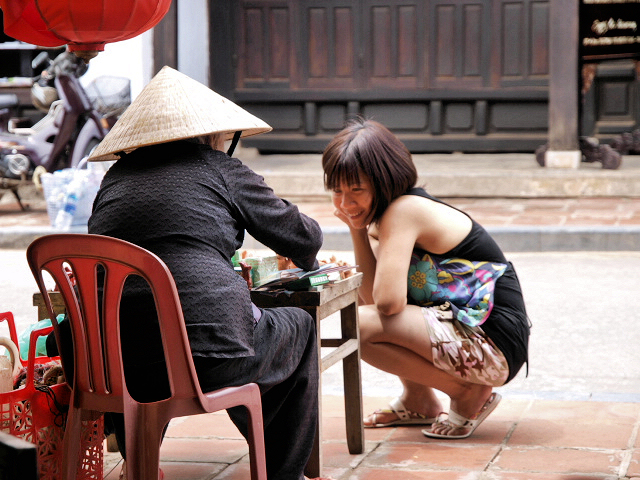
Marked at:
<point>191,205</point>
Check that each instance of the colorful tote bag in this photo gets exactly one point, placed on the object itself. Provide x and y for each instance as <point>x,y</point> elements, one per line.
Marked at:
<point>467,285</point>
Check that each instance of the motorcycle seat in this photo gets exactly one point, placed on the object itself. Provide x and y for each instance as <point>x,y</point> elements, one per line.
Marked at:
<point>9,100</point>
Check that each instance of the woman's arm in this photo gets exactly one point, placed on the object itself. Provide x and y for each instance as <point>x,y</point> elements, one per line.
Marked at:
<point>273,221</point>
<point>397,233</point>
<point>366,262</point>
<point>409,222</point>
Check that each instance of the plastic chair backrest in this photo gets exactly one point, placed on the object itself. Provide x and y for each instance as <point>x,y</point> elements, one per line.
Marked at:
<point>95,328</point>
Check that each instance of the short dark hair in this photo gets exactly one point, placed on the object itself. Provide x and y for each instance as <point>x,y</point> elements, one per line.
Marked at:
<point>368,147</point>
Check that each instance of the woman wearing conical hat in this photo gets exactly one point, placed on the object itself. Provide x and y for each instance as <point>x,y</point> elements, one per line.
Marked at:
<point>174,191</point>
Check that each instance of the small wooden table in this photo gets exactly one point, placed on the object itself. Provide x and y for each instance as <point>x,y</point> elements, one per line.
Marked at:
<point>341,296</point>
<point>56,302</point>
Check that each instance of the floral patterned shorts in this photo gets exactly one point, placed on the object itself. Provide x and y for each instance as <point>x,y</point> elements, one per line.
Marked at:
<point>462,351</point>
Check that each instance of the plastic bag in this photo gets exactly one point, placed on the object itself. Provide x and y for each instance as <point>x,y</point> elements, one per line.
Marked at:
<point>41,347</point>
<point>57,187</point>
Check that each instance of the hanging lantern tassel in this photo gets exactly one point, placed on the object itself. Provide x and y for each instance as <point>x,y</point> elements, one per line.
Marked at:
<point>85,26</point>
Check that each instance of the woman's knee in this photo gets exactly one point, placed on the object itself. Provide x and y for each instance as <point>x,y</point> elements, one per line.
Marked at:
<point>369,323</point>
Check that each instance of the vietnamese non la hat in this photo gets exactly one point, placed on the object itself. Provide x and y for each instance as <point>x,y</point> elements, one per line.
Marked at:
<point>172,107</point>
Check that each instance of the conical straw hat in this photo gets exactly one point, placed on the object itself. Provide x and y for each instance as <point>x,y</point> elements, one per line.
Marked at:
<point>171,107</point>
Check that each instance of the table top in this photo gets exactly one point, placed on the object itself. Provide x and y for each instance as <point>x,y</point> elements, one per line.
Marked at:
<point>307,298</point>
<point>262,298</point>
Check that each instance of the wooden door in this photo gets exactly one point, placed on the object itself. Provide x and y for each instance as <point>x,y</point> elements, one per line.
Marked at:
<point>443,74</point>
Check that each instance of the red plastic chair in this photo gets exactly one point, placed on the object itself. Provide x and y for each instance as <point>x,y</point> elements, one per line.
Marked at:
<point>98,383</point>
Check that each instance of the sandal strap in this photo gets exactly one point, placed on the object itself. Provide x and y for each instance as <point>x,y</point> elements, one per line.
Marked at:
<point>459,421</point>
<point>399,409</point>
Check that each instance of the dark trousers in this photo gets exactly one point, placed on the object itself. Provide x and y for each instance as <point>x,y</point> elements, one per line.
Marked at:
<point>285,366</point>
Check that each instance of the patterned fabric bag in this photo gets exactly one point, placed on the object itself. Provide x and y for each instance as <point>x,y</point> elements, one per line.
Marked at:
<point>467,285</point>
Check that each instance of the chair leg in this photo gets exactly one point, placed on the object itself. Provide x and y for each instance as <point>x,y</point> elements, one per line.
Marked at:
<point>143,437</point>
<point>257,457</point>
<point>71,443</point>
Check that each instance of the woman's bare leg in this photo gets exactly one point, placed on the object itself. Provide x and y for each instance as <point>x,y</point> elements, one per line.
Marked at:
<point>400,345</point>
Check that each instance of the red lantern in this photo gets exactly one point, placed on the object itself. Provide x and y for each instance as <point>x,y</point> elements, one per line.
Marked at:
<point>85,25</point>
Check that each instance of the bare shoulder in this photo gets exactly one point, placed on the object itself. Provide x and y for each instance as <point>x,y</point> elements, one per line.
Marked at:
<point>437,227</point>
<point>408,214</point>
<point>407,203</point>
<point>416,207</point>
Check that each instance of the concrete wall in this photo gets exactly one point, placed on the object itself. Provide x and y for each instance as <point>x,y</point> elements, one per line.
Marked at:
<point>130,58</point>
<point>133,58</point>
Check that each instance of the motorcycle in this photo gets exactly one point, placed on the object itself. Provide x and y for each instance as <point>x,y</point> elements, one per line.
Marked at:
<point>77,119</point>
<point>9,104</point>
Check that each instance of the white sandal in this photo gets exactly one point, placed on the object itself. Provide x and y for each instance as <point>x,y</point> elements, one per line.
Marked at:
<point>405,417</point>
<point>458,421</point>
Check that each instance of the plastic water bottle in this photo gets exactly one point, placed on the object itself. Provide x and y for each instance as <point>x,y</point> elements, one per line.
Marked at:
<point>65,215</point>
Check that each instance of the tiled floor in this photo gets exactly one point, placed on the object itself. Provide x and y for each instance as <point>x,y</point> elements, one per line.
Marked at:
<point>504,212</point>
<point>522,440</point>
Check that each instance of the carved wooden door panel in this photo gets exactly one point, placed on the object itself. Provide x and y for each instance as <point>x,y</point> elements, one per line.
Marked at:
<point>263,53</point>
<point>330,44</point>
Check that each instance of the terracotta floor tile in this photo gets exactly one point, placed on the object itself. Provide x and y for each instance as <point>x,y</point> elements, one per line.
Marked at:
<point>588,221</point>
<point>408,434</point>
<point>378,434</point>
<point>584,412</point>
<point>492,220</point>
<point>207,425</point>
<point>436,455</point>
<point>511,410</point>
<point>539,220</point>
<point>336,454</point>
<point>334,428</point>
<point>112,473</point>
<point>371,404</point>
<point>631,220</point>
<point>337,473</point>
<point>111,459</point>
<point>180,471</point>
<point>558,460</point>
<point>192,471</point>
<point>406,474</point>
<point>203,450</point>
<point>547,433</point>
<point>634,464</point>
<point>237,471</point>
<point>332,406</point>
<point>495,475</point>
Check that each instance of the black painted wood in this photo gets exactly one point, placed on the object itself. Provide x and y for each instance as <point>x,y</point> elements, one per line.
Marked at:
<point>18,458</point>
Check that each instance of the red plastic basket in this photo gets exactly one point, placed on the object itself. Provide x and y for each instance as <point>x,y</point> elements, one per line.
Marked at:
<point>37,415</point>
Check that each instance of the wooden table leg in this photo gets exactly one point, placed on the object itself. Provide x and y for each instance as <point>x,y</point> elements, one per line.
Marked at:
<point>352,382</point>
<point>313,468</point>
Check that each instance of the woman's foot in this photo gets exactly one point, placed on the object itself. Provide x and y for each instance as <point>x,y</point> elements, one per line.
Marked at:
<point>456,426</point>
<point>397,414</point>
